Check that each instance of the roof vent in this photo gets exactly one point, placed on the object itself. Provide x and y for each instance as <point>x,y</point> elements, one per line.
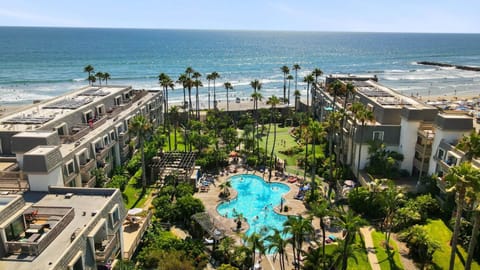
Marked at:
<point>68,195</point>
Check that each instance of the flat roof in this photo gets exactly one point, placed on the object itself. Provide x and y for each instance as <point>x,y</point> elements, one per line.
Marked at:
<point>89,204</point>
<point>42,150</point>
<point>40,114</point>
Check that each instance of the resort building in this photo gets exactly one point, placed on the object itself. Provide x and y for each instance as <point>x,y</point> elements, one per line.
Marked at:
<point>404,124</point>
<point>60,142</point>
<point>64,228</point>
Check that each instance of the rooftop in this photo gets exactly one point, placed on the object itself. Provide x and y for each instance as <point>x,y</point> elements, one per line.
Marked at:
<point>84,206</point>
<point>37,115</point>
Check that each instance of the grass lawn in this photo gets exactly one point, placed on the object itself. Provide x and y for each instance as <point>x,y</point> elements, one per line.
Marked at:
<point>441,233</point>
<point>362,260</point>
<point>384,261</point>
<point>286,141</point>
<point>132,195</point>
<point>180,144</point>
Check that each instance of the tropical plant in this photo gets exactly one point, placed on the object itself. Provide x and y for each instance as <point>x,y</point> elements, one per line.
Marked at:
<point>297,95</point>
<point>255,243</point>
<point>298,227</point>
<point>309,80</point>
<point>89,69</point>
<point>321,210</point>
<point>197,83</point>
<point>363,115</point>
<point>228,86</point>
<point>99,76</point>
<point>209,79</point>
<point>257,86</point>
<point>277,244</point>
<point>460,178</point>
<point>226,248</point>
<point>174,113</point>
<point>421,246</point>
<point>214,76</point>
<point>142,129</point>
<point>285,70</point>
<point>224,187</point>
<point>182,80</point>
<point>273,101</point>
<point>92,79</point>
<point>296,67</point>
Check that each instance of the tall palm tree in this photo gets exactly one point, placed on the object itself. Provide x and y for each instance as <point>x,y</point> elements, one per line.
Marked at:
<point>306,137</point>
<point>279,245</point>
<point>364,115</point>
<point>314,129</point>
<point>351,223</point>
<point>297,95</point>
<point>215,76</point>
<point>285,71</point>
<point>209,78</point>
<point>228,86</point>
<point>196,75</point>
<point>165,82</point>
<point>316,73</point>
<point>182,80</point>
<point>174,113</point>
<point>460,178</point>
<point>189,83</point>
<point>106,77</point>
<point>141,128</point>
<point>89,69</point>
<point>336,88</point>
<point>289,78</point>
<point>320,209</point>
<point>332,125</point>
<point>257,86</point>
<point>298,227</point>
<point>255,241</point>
<point>349,89</point>
<point>226,247</point>
<point>309,80</point>
<point>313,259</point>
<point>273,101</point>
<point>92,79</point>
<point>99,75</point>
<point>296,67</point>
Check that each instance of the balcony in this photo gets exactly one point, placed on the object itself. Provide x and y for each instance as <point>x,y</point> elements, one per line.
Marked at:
<point>101,153</point>
<point>420,148</point>
<point>89,182</point>
<point>125,151</point>
<point>76,132</point>
<point>418,164</point>
<point>86,167</point>
<point>98,122</point>
<point>12,179</point>
<point>123,139</point>
<point>105,249</point>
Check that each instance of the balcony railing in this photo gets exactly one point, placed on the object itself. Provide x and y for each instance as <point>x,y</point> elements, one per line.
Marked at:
<point>105,250</point>
<point>90,182</point>
<point>418,163</point>
<point>420,148</point>
<point>85,168</point>
<point>76,133</point>
<point>101,153</point>
<point>13,180</point>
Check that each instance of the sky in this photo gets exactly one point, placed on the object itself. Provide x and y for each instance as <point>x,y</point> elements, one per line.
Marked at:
<point>431,16</point>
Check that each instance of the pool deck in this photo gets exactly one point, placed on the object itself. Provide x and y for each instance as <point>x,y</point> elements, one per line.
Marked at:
<point>296,207</point>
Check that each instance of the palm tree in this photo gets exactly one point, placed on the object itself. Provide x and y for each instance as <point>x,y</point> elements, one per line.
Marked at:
<point>197,83</point>
<point>316,73</point>
<point>351,223</point>
<point>460,178</point>
<point>209,78</point>
<point>224,187</point>
<point>313,259</point>
<point>92,79</point>
<point>285,71</point>
<point>174,112</point>
<point>226,247</point>
<point>228,86</point>
<point>256,243</point>
<point>475,228</point>
<point>182,80</point>
<point>298,227</point>
<point>256,85</point>
<point>335,87</point>
<point>89,69</point>
<point>297,95</point>
<point>349,89</point>
<point>306,137</point>
<point>141,128</point>
<point>273,101</point>
<point>320,209</point>
<point>99,75</point>
<point>309,80</point>
<point>289,78</point>
<point>296,67</point>
<point>279,245</point>
<point>106,77</point>
<point>363,115</point>
<point>314,129</point>
<point>215,76</point>
<point>165,82</point>
<point>420,244</point>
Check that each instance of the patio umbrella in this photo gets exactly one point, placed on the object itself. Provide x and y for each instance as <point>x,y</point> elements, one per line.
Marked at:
<point>349,183</point>
<point>233,154</point>
<point>135,211</point>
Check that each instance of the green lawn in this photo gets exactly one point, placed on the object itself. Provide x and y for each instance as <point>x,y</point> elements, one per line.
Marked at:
<point>286,141</point>
<point>384,261</point>
<point>180,143</point>
<point>362,260</point>
<point>441,233</point>
<point>132,195</point>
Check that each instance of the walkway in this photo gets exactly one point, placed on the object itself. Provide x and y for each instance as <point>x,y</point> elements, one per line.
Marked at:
<point>370,247</point>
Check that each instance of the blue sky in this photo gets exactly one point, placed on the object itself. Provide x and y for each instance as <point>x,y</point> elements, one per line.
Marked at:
<point>452,16</point>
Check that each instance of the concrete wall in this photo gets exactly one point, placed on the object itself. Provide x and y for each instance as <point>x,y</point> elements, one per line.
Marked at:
<point>440,134</point>
<point>408,138</point>
<point>40,182</point>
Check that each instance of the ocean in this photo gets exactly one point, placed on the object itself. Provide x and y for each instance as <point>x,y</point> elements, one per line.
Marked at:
<point>40,63</point>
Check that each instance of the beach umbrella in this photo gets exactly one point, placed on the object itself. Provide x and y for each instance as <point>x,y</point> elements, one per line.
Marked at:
<point>233,154</point>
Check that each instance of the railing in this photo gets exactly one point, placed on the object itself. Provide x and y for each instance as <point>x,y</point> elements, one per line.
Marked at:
<point>428,149</point>
<point>103,152</point>
<point>127,254</point>
<point>99,122</point>
<point>35,248</point>
<point>418,163</point>
<point>103,255</point>
<point>125,150</point>
<point>90,182</point>
<point>80,132</point>
<point>13,180</point>
<point>85,168</point>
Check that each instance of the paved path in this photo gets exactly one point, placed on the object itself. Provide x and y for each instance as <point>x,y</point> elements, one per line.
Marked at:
<point>372,256</point>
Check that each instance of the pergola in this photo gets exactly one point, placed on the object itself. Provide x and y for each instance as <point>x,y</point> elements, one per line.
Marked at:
<point>180,163</point>
<point>208,226</point>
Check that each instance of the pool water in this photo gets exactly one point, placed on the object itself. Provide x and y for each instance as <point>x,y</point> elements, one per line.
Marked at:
<point>256,200</point>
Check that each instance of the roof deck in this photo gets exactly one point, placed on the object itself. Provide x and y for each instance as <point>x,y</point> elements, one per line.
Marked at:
<point>57,216</point>
<point>385,96</point>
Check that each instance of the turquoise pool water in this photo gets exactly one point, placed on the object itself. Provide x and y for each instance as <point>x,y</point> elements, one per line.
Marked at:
<point>255,201</point>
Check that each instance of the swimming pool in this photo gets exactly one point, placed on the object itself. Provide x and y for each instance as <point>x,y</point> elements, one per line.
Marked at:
<point>255,201</point>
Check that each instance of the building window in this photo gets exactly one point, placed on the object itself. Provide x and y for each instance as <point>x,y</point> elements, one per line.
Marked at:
<point>15,229</point>
<point>115,216</point>
<point>77,262</point>
<point>1,149</point>
<point>440,154</point>
<point>70,167</point>
<point>112,135</point>
<point>378,135</point>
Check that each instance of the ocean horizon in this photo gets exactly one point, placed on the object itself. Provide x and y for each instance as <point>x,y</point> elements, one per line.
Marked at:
<point>43,62</point>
